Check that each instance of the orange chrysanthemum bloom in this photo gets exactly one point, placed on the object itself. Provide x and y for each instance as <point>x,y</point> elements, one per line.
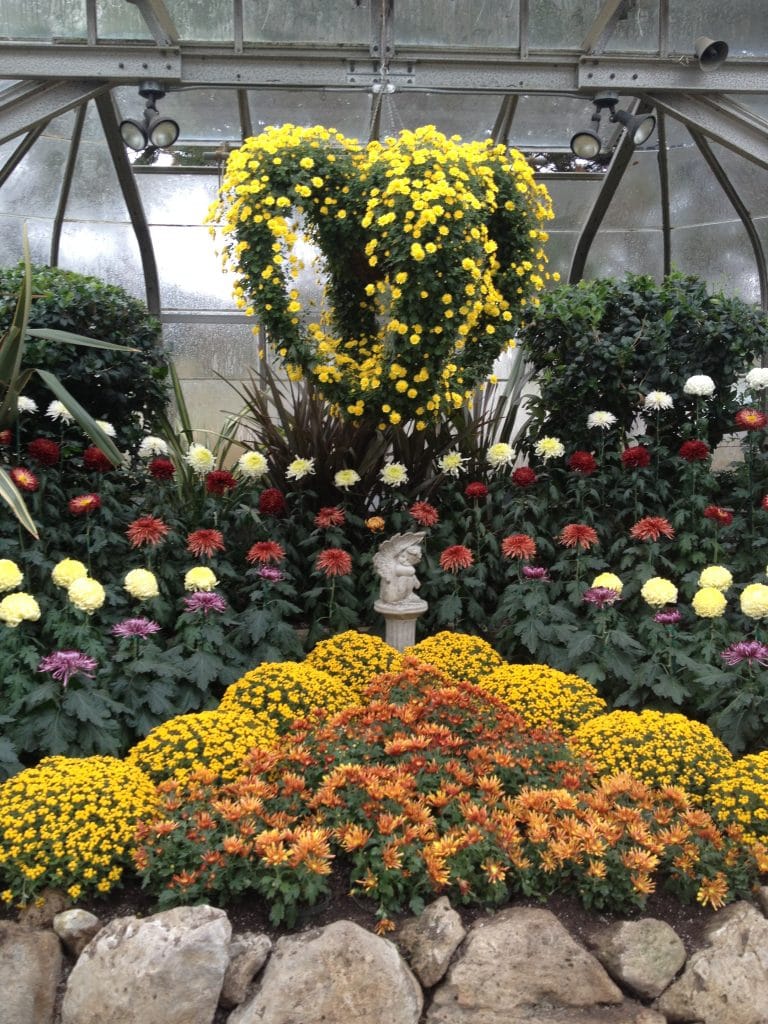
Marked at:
<point>334,562</point>
<point>146,530</point>
<point>264,551</point>
<point>577,535</point>
<point>330,516</point>
<point>651,528</point>
<point>455,558</point>
<point>519,545</point>
<point>375,524</point>
<point>204,542</point>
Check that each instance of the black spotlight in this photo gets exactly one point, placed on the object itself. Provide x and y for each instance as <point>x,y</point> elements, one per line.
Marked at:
<point>586,143</point>
<point>153,129</point>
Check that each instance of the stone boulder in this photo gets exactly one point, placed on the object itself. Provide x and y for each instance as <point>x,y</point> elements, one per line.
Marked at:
<point>340,974</point>
<point>642,956</point>
<point>76,928</point>
<point>248,953</point>
<point>431,939</point>
<point>30,969</point>
<point>164,969</point>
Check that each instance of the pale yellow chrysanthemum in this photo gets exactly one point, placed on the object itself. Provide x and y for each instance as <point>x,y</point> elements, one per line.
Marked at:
<point>10,575</point>
<point>200,578</point>
<point>67,571</point>
<point>86,594</point>
<point>141,584</point>
<point>17,608</point>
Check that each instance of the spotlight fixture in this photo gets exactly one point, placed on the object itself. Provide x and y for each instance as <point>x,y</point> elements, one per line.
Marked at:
<point>587,143</point>
<point>710,52</point>
<point>153,129</point>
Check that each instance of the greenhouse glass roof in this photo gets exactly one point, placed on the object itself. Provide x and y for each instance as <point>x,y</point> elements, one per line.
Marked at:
<point>693,196</point>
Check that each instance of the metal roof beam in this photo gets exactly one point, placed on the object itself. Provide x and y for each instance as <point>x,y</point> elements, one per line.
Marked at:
<point>681,74</point>
<point>726,123</point>
<point>159,22</point>
<point>23,106</point>
<point>603,24</point>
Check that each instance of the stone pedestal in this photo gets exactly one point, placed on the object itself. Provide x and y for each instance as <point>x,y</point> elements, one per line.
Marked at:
<point>400,621</point>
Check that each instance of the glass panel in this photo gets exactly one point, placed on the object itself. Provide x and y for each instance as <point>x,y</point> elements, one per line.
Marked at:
<point>560,24</point>
<point>117,19</point>
<point>202,19</point>
<point>34,185</point>
<point>694,194</point>
<point>96,194</point>
<point>177,198</point>
<point>107,251</point>
<point>457,23</point>
<point>202,350</point>
<point>743,27</point>
<point>616,253</point>
<point>349,112</point>
<point>190,269</point>
<point>637,202</point>
<point>721,254</point>
<point>470,115</point>
<point>559,249</point>
<point>307,21</point>
<point>747,178</point>
<point>12,231</point>
<point>548,122</point>
<point>571,201</point>
<point>42,19</point>
<point>209,402</point>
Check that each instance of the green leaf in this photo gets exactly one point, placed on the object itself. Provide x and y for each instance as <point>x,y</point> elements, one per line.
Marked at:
<point>12,497</point>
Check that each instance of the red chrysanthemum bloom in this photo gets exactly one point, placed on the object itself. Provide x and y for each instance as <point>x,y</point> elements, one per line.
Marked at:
<point>264,551</point>
<point>46,452</point>
<point>161,469</point>
<point>146,530</point>
<point>719,515</point>
<point>651,528</point>
<point>84,504</point>
<point>577,535</point>
<point>95,460</point>
<point>204,543</point>
<point>694,451</point>
<point>219,481</point>
<point>24,479</point>
<point>583,462</point>
<point>330,515</point>
<point>476,490</point>
<point>519,545</point>
<point>272,502</point>
<point>524,477</point>
<point>424,513</point>
<point>455,558</point>
<point>334,562</point>
<point>636,458</point>
<point>6,437</point>
<point>750,419</point>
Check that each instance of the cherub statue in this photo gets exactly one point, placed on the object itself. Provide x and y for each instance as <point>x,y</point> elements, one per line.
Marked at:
<point>394,562</point>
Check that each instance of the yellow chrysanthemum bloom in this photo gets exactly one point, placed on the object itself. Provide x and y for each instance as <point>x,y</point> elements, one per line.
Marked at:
<point>86,594</point>
<point>658,591</point>
<point>353,657</point>
<point>459,655</point>
<point>287,690</point>
<point>17,608</point>
<point>141,584</point>
<point>545,696</point>
<point>609,580</point>
<point>709,603</point>
<point>67,571</point>
<point>716,576</point>
<point>754,600</point>
<point>10,575</point>
<point>740,797</point>
<point>200,578</point>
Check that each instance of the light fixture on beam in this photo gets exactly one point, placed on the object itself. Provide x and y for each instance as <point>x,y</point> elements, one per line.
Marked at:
<point>153,129</point>
<point>587,143</point>
<point>710,53</point>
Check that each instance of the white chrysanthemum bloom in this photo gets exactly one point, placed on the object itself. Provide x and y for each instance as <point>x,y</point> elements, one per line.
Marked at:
<point>451,463</point>
<point>141,584</point>
<point>716,576</point>
<point>499,455</point>
<point>58,411</point>
<point>601,419</point>
<point>699,385</point>
<point>346,478</point>
<point>24,404</point>
<point>757,379</point>
<point>252,465</point>
<point>199,458</point>
<point>300,468</point>
<point>108,429</point>
<point>151,446</point>
<point>657,400</point>
<point>549,448</point>
<point>394,473</point>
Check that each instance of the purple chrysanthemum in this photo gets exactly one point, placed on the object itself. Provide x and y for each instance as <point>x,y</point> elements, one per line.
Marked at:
<point>135,627</point>
<point>271,572</point>
<point>64,664</point>
<point>601,596</point>
<point>746,650</point>
<point>670,617</point>
<point>205,601</point>
<point>535,572</point>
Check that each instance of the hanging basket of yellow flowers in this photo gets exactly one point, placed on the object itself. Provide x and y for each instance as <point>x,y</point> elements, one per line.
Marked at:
<point>430,250</point>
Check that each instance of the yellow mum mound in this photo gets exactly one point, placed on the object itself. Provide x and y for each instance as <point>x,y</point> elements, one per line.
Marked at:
<point>662,749</point>
<point>353,657</point>
<point>287,690</point>
<point>545,696</point>
<point>215,740</point>
<point>740,797</point>
<point>459,655</point>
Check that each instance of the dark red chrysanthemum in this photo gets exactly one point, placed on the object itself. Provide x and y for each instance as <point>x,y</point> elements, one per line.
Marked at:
<point>334,562</point>
<point>455,558</point>
<point>519,545</point>
<point>44,451</point>
<point>6,437</point>
<point>577,535</point>
<point>204,542</point>
<point>475,491</point>
<point>84,504</point>
<point>651,528</point>
<point>535,572</point>
<point>636,458</point>
<point>330,515</point>
<point>272,502</point>
<point>524,477</point>
<point>424,513</point>
<point>750,419</point>
<point>694,451</point>
<point>583,462</point>
<point>219,481</point>
<point>95,460</point>
<point>146,530</point>
<point>161,469</point>
<point>264,551</point>
<point>24,479</point>
<point>718,514</point>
